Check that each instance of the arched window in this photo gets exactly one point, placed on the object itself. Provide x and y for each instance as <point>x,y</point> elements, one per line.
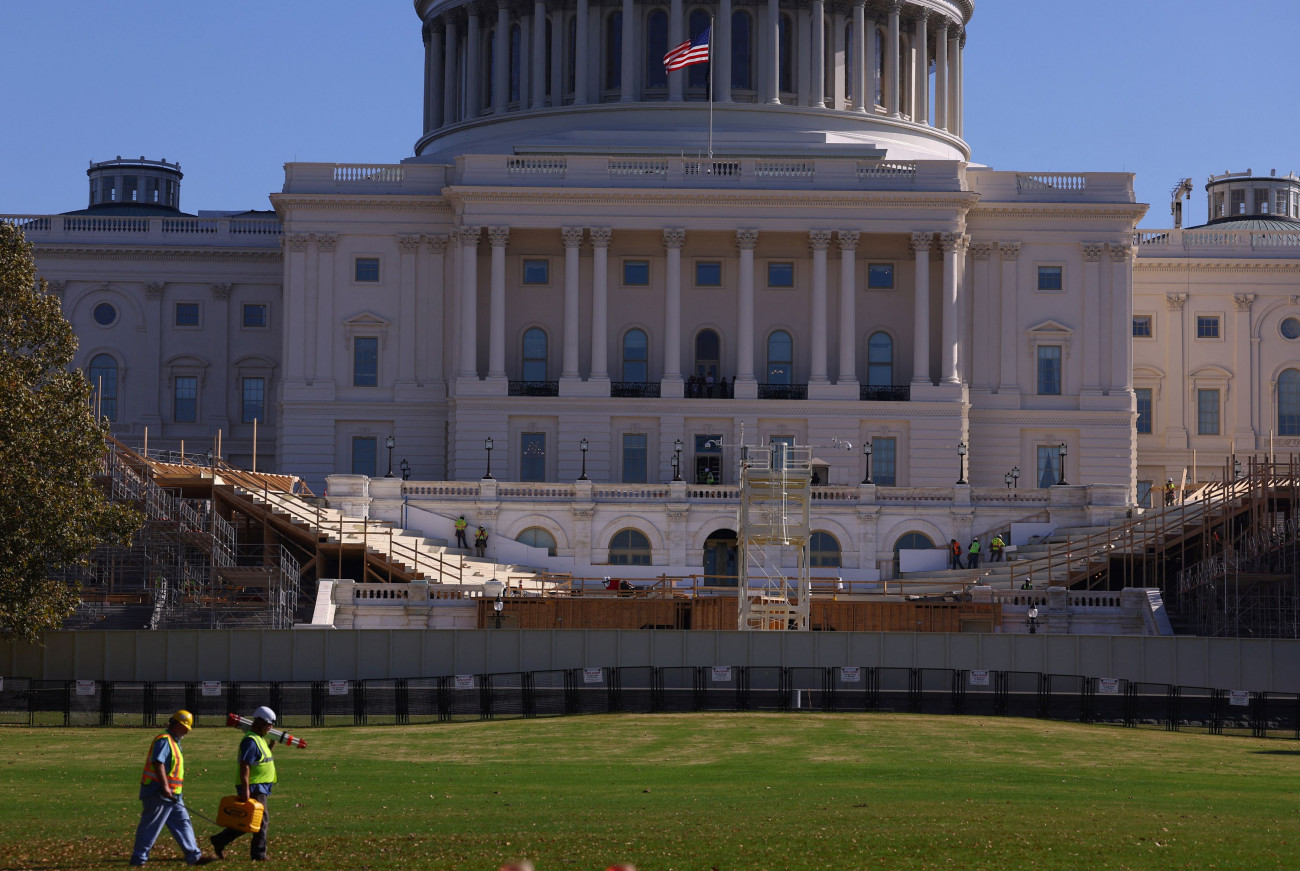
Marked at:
<point>741,60</point>
<point>103,381</point>
<point>535,355</point>
<point>515,49</point>
<point>1288,403</point>
<point>489,68</point>
<point>823,551</point>
<point>656,46</point>
<point>785,39</point>
<point>535,536</point>
<point>697,74</point>
<point>636,354</point>
<point>614,51</point>
<point>629,548</point>
<point>880,360</point>
<point>707,354</point>
<point>780,358</point>
<point>913,541</point>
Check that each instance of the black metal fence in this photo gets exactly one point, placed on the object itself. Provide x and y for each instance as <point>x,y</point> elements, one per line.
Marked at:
<point>26,702</point>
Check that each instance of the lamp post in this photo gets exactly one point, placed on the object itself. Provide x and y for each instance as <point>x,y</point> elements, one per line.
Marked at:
<point>677,460</point>
<point>1007,479</point>
<point>1033,620</point>
<point>582,446</point>
<point>497,606</point>
<point>1236,468</point>
<point>389,442</point>
<point>1060,477</point>
<point>406,469</point>
<point>1015,477</point>
<point>487,446</point>
<point>961,455</point>
<point>866,455</point>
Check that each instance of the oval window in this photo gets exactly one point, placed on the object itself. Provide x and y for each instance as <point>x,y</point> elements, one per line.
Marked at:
<point>1291,328</point>
<point>105,314</point>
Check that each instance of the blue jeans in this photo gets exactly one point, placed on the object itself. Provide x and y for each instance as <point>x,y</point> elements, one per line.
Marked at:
<point>158,812</point>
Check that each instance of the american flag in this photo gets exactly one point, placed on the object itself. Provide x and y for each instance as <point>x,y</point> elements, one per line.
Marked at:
<point>693,51</point>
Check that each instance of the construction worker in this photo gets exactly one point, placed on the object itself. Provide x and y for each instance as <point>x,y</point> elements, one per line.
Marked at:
<point>996,546</point>
<point>973,560</point>
<point>480,541</point>
<point>954,555</point>
<point>256,778</point>
<point>461,525</point>
<point>1170,490</point>
<point>160,793</point>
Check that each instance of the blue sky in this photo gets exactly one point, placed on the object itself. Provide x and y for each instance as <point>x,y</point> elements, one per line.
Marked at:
<point>233,90</point>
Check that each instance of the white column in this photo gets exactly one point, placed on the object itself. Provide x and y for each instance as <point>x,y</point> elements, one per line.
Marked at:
<point>858,63</point>
<point>469,301</point>
<point>954,246</point>
<point>819,241</point>
<point>1010,319</point>
<point>921,243</point>
<point>746,241</point>
<point>500,60</point>
<point>959,99</point>
<point>627,81</point>
<point>954,83</point>
<point>870,62</point>
<point>538,76</point>
<point>722,54</point>
<point>674,239</point>
<point>772,55</point>
<point>581,59</point>
<point>572,242</point>
<point>1092,323</point>
<point>450,115</point>
<point>499,237</point>
<point>848,313</point>
<point>818,54</point>
<point>922,86</point>
<point>675,30</point>
<point>892,65</point>
<point>600,237</point>
<point>941,75</point>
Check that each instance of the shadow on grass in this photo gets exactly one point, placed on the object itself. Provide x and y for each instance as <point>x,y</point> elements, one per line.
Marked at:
<point>1277,752</point>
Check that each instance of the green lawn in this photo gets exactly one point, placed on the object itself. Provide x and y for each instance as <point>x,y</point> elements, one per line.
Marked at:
<point>687,791</point>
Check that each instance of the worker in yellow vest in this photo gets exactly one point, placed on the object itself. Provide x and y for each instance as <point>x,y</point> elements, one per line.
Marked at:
<point>461,525</point>
<point>161,784</point>
<point>256,778</point>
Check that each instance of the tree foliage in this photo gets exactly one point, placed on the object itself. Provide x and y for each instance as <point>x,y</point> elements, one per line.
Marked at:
<point>52,513</point>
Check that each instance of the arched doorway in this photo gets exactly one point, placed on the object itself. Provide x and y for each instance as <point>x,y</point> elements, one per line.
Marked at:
<point>721,557</point>
<point>911,541</point>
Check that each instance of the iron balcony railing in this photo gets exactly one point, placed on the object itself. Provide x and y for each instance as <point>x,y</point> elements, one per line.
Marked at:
<point>534,388</point>
<point>783,391</point>
<point>869,393</point>
<point>636,389</point>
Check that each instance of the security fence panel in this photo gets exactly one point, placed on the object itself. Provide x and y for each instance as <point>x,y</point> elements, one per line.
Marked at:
<point>720,687</point>
<point>85,705</point>
<point>636,689</point>
<point>49,702</point>
<point>592,690</point>
<point>14,702</point>
<point>977,692</point>
<point>547,693</point>
<point>818,689</point>
<point>1237,713</point>
<point>894,690</point>
<point>209,701</point>
<point>337,703</point>
<point>422,699</point>
<point>1023,694</point>
<point>505,694</point>
<point>938,692</point>
<point>465,697</point>
<point>126,703</point>
<point>1196,709</point>
<point>1063,697</point>
<point>1154,705</point>
<point>1108,700</point>
<point>764,689</point>
<point>248,696</point>
<point>295,711</point>
<point>1277,715</point>
<point>678,689</point>
<point>377,701</point>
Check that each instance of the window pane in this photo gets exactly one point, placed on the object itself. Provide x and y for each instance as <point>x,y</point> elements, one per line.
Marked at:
<point>635,356</point>
<point>105,314</point>
<point>880,276</point>
<point>780,446</point>
<point>254,399</point>
<point>634,458</point>
<point>708,459</point>
<point>1049,278</point>
<point>187,314</point>
<point>1049,370</point>
<point>365,451</point>
<point>656,47</point>
<point>1143,409</point>
<point>367,269</point>
<point>884,471</point>
<point>365,361</point>
<point>532,456</point>
<point>535,536</point>
<point>780,358</point>
<point>880,360</point>
<point>103,381</point>
<point>1048,459</point>
<point>1142,326</point>
<point>1207,327</point>
<point>1207,412</point>
<point>535,355</point>
<point>629,548</point>
<point>740,51</point>
<point>613,50</point>
<point>1288,403</point>
<point>823,551</point>
<point>254,315</point>
<point>636,273</point>
<point>537,272</point>
<point>780,275</point>
<point>185,407</point>
<point>708,273</point>
<point>707,354</point>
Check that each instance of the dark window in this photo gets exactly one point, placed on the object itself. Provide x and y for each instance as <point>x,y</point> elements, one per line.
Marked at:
<point>780,358</point>
<point>613,51</point>
<point>697,75</point>
<point>636,273</point>
<point>535,536</point>
<point>780,274</point>
<point>1207,412</point>
<point>785,39</point>
<point>823,551</point>
<point>365,455</point>
<point>535,355</point>
<point>656,42</point>
<point>489,68</point>
<point>708,354</point>
<point>1288,403</point>
<point>365,361</point>
<point>634,458</point>
<point>1143,409</point>
<point>629,548</point>
<point>636,363</point>
<point>1050,278</point>
<point>187,314</point>
<point>741,40</point>
<point>515,49</point>
<point>254,315</point>
<point>1290,328</point>
<point>880,360</point>
<point>254,400</point>
<point>537,272</point>
<point>1141,326</point>
<point>367,269</point>
<point>884,461</point>
<point>105,314</point>
<point>129,192</point>
<point>1048,458</point>
<point>185,399</point>
<point>1049,370</point>
<point>708,459</point>
<point>532,456</point>
<point>708,273</point>
<point>880,276</point>
<point>103,382</point>
<point>1207,327</point>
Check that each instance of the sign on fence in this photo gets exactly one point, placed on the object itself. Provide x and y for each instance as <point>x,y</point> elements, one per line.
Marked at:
<point>338,688</point>
<point>212,688</point>
<point>722,674</point>
<point>1240,698</point>
<point>850,674</point>
<point>464,681</point>
<point>979,677</point>
<point>593,675</point>
<point>85,687</point>
<point>1108,686</point>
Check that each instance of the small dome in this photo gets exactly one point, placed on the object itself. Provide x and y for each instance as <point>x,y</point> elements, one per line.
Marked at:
<point>1251,222</point>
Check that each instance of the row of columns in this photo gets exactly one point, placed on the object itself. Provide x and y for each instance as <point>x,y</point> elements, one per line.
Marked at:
<point>454,40</point>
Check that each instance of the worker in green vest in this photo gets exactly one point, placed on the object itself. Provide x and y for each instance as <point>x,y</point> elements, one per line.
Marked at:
<point>973,551</point>
<point>461,525</point>
<point>995,548</point>
<point>161,785</point>
<point>256,778</point>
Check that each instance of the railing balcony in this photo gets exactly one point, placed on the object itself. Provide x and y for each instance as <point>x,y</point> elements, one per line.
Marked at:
<point>534,388</point>
<point>698,388</point>
<point>635,389</point>
<point>783,391</point>
<point>869,393</point>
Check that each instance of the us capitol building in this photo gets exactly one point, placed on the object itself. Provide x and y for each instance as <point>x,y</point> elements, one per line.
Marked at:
<point>598,284</point>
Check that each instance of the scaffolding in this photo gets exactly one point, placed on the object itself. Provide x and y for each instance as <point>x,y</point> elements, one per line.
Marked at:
<point>775,485</point>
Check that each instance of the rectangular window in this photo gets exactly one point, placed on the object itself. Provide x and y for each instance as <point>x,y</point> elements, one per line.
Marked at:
<point>780,448</point>
<point>884,462</point>
<point>1144,494</point>
<point>185,404</point>
<point>880,276</point>
<point>365,455</point>
<point>1049,370</point>
<point>1207,412</point>
<point>110,188</point>
<point>1049,465</point>
<point>708,459</point>
<point>129,194</point>
<point>1218,205</point>
<point>187,314</point>
<point>532,456</point>
<point>1207,327</point>
<point>537,272</point>
<point>1281,204</point>
<point>636,273</point>
<point>780,274</point>
<point>367,269</point>
<point>1238,206</point>
<point>1144,409</point>
<point>254,315</point>
<point>1141,326</point>
<point>254,400</point>
<point>151,190</point>
<point>708,273</point>
<point>365,361</point>
<point>1261,201</point>
<point>1050,277</point>
<point>634,458</point>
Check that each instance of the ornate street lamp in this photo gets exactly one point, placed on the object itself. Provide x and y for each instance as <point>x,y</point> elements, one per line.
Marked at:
<point>582,446</point>
<point>866,455</point>
<point>677,460</point>
<point>487,446</point>
<point>1060,478</point>
<point>389,442</point>
<point>1015,477</point>
<point>406,470</point>
<point>1033,620</point>
<point>497,606</point>
<point>1007,479</point>
<point>961,455</point>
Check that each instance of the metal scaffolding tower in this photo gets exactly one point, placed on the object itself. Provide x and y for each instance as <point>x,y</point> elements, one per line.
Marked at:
<point>775,492</point>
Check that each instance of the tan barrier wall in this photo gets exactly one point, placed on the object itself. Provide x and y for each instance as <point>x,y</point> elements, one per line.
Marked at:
<point>258,655</point>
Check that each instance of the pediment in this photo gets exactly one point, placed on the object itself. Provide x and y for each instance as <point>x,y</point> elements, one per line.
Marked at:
<point>1051,327</point>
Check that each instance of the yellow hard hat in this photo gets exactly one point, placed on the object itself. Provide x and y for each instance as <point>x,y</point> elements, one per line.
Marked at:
<point>184,717</point>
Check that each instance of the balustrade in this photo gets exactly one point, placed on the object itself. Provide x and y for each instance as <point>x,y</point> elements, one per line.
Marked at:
<point>869,393</point>
<point>534,388</point>
<point>782,391</point>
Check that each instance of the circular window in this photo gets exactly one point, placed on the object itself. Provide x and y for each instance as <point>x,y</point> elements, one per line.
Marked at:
<point>1291,328</point>
<point>105,314</point>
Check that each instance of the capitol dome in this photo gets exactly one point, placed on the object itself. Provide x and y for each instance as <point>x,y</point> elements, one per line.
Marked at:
<point>577,75</point>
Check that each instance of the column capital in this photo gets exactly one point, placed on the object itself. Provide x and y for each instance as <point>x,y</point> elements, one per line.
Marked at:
<point>953,241</point>
<point>1175,301</point>
<point>1243,301</point>
<point>746,240</point>
<point>921,242</point>
<point>674,237</point>
<point>296,241</point>
<point>893,7</point>
<point>1009,250</point>
<point>848,239</point>
<point>981,250</point>
<point>437,244</point>
<point>58,288</point>
<point>503,6</point>
<point>1092,251</point>
<point>1120,253</point>
<point>221,290</point>
<point>499,236</point>
<point>155,289</point>
<point>326,241</point>
<point>600,237</point>
<point>469,236</point>
<point>408,244</point>
<point>572,236</point>
<point>819,240</point>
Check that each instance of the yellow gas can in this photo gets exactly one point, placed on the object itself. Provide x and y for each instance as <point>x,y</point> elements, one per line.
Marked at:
<point>243,816</point>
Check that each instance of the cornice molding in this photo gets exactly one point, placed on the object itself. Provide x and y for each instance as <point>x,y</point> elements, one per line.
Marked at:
<point>198,255</point>
<point>1279,267</point>
<point>553,197</point>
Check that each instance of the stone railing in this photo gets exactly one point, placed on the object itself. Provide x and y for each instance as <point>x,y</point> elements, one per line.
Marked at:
<point>368,179</point>
<point>259,232</point>
<point>1073,187</point>
<point>1157,242</point>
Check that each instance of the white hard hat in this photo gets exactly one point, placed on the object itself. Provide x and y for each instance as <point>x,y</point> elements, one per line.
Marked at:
<point>264,713</point>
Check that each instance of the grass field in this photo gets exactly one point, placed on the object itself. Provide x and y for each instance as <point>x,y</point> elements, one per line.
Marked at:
<point>725,791</point>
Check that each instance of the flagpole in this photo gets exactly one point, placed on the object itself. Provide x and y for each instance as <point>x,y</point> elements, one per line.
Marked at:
<point>710,87</point>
